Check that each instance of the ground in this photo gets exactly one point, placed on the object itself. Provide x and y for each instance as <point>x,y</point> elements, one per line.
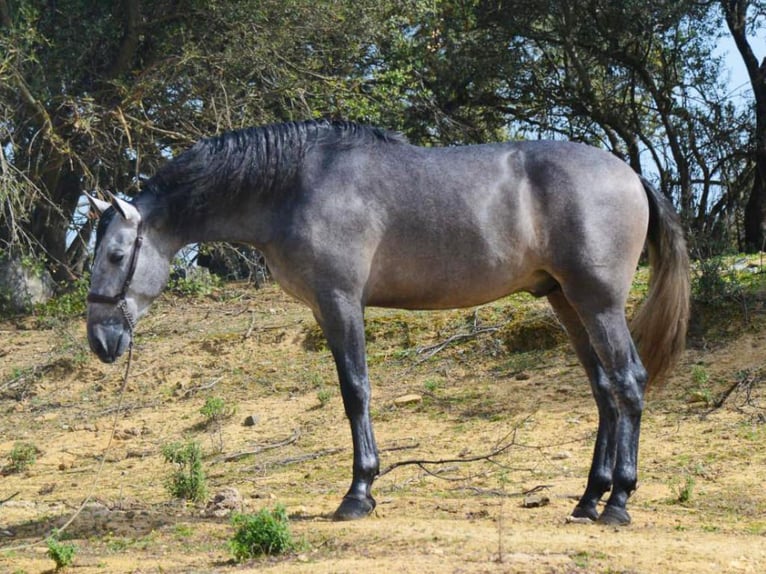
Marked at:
<point>500,379</point>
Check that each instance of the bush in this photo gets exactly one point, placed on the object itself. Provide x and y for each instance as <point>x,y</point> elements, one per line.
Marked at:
<point>188,480</point>
<point>267,532</point>
<point>62,554</point>
<point>23,455</point>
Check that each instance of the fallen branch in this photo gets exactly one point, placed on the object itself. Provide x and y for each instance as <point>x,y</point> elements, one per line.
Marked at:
<point>192,390</point>
<point>259,449</point>
<point>442,461</point>
<point>305,457</point>
<point>11,497</point>
<point>430,350</point>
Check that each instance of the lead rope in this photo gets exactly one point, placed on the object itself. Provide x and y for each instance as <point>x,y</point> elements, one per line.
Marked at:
<point>118,411</point>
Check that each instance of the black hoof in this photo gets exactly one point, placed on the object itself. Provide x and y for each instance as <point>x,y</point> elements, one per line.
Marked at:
<point>614,516</point>
<point>354,508</point>
<point>585,513</point>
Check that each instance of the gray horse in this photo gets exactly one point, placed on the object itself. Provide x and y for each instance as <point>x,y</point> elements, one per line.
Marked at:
<point>349,216</point>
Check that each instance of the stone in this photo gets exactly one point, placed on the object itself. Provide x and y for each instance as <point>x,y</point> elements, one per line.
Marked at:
<point>226,501</point>
<point>22,286</point>
<point>535,501</point>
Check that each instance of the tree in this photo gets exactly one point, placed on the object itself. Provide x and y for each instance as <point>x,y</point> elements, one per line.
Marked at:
<point>740,24</point>
<point>97,95</point>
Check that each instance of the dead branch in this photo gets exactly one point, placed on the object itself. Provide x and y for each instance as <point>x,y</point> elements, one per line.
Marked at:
<point>259,449</point>
<point>429,351</point>
<point>504,446</point>
<point>192,390</point>
<point>305,457</point>
<point>11,497</point>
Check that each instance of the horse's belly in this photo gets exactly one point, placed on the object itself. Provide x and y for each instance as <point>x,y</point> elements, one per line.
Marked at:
<point>434,288</point>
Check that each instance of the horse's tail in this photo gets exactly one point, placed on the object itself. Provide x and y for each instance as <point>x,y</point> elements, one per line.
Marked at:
<point>659,327</point>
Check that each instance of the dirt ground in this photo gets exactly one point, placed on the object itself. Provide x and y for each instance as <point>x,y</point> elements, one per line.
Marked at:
<point>700,506</point>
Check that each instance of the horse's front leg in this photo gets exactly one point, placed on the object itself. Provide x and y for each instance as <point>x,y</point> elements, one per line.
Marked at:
<point>342,321</point>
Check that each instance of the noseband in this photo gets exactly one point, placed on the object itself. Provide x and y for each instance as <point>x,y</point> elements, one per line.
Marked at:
<point>119,299</point>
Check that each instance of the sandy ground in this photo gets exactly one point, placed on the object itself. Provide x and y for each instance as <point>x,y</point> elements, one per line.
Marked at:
<point>700,506</point>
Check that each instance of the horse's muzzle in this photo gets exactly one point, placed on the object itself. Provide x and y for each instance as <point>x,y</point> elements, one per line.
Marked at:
<point>108,340</point>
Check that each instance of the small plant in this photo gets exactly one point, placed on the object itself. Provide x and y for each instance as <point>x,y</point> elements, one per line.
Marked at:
<point>324,396</point>
<point>267,532</point>
<point>23,455</point>
<point>215,412</point>
<point>194,282</point>
<point>682,492</point>
<point>188,480</point>
<point>701,391</point>
<point>62,554</point>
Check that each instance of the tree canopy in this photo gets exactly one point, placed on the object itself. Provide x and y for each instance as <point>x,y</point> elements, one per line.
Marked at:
<point>96,95</point>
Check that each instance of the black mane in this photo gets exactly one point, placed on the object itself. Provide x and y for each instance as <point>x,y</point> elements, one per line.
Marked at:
<point>250,160</point>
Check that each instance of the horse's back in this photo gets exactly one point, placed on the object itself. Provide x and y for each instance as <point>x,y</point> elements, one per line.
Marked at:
<point>449,227</point>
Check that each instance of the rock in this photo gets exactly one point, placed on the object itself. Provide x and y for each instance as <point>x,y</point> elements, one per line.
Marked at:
<point>535,501</point>
<point>250,421</point>
<point>224,503</point>
<point>22,286</point>
<point>411,399</point>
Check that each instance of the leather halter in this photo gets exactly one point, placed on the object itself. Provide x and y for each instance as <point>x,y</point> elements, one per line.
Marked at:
<point>119,299</point>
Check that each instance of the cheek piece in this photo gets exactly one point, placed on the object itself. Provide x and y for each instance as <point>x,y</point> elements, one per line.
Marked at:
<point>119,299</point>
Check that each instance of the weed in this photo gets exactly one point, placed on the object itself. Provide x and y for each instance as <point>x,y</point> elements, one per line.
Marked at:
<point>62,554</point>
<point>67,305</point>
<point>215,412</point>
<point>324,396</point>
<point>267,532</point>
<point>682,492</point>
<point>701,379</point>
<point>23,455</point>
<point>194,282</point>
<point>432,385</point>
<point>188,480</point>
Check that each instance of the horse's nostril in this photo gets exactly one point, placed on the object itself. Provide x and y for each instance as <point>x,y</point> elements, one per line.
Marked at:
<point>106,341</point>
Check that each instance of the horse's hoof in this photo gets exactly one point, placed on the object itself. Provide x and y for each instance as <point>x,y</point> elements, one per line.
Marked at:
<point>614,516</point>
<point>582,514</point>
<point>354,508</point>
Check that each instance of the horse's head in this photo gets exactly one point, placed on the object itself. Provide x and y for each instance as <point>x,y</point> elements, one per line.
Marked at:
<point>129,272</point>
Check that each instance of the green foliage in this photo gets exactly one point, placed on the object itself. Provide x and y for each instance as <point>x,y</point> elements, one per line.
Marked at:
<point>324,396</point>
<point>197,282</point>
<point>23,456</point>
<point>62,554</point>
<point>188,480</point>
<point>683,490</point>
<point>267,532</point>
<point>69,304</point>
<point>216,410</point>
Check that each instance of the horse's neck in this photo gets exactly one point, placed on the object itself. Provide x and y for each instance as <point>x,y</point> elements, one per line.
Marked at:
<point>215,222</point>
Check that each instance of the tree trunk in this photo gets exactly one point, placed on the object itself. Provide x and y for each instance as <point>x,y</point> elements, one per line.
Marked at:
<point>735,12</point>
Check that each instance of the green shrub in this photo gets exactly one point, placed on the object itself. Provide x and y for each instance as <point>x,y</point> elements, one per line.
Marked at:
<point>188,479</point>
<point>215,410</point>
<point>267,532</point>
<point>194,282</point>
<point>62,554</point>
<point>23,455</point>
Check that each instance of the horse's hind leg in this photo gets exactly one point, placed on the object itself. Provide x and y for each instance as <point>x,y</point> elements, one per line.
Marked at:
<point>600,476</point>
<point>619,389</point>
<point>342,322</point>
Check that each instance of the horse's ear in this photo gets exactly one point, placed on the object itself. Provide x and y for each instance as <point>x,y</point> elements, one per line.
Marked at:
<point>125,209</point>
<point>98,205</point>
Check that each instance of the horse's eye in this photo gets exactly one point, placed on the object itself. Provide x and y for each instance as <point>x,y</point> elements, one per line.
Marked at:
<point>116,257</point>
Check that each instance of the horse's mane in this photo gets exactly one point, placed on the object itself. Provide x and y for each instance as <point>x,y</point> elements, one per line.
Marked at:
<point>251,160</point>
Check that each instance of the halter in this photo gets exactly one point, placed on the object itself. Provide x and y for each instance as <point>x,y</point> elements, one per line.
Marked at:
<point>119,299</point>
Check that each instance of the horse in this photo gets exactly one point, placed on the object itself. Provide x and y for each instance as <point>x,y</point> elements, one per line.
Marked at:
<point>349,216</point>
